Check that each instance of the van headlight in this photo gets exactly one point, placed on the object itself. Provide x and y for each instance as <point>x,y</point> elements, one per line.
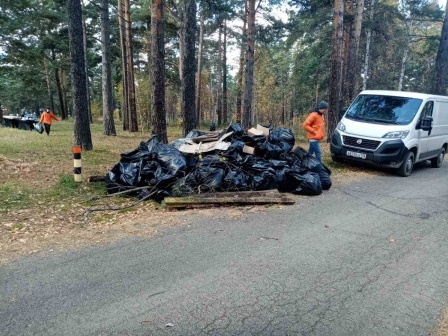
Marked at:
<point>396,135</point>
<point>341,127</point>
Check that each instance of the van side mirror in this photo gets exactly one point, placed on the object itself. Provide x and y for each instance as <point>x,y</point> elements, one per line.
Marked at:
<point>425,124</point>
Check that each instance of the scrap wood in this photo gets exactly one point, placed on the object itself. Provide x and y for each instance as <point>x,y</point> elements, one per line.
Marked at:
<point>229,198</point>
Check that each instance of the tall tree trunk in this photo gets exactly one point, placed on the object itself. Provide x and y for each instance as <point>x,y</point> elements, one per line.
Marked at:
<point>199,79</point>
<point>336,67</point>
<point>368,41</point>
<point>124,68</point>
<point>132,109</point>
<point>351,71</point>
<point>62,110</point>
<point>84,43</point>
<point>405,54</point>
<point>224,73</point>
<point>441,66</point>
<point>158,70</point>
<point>347,41</point>
<point>188,68</point>
<point>81,118</point>
<point>219,69</point>
<point>239,87</point>
<point>249,72</point>
<point>48,80</point>
<point>353,57</point>
<point>108,110</point>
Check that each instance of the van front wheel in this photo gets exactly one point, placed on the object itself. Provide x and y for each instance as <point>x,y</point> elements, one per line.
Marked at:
<point>437,161</point>
<point>407,165</point>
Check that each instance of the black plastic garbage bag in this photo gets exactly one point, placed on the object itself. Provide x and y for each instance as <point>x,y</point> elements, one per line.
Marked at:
<point>171,158</point>
<point>309,184</point>
<point>282,137</point>
<point>122,176</point>
<point>236,129</point>
<point>235,151</point>
<point>236,180</point>
<point>309,163</point>
<point>271,151</point>
<point>208,178</point>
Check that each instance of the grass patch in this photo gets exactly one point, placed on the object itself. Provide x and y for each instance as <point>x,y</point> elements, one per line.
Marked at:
<point>14,197</point>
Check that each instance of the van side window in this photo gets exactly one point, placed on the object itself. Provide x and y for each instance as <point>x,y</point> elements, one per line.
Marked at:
<point>427,110</point>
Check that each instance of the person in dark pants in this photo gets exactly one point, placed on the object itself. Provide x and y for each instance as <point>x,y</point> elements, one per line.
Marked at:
<point>46,118</point>
<point>314,126</point>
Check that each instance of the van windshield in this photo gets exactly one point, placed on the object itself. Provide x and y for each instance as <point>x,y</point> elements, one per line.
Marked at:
<point>384,109</point>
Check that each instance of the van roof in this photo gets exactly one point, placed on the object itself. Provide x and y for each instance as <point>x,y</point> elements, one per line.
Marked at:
<point>401,94</point>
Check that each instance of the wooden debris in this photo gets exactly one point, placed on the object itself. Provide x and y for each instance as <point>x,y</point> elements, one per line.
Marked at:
<point>230,198</point>
<point>96,178</point>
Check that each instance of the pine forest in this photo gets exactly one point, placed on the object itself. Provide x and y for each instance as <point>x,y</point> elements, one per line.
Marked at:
<point>144,64</point>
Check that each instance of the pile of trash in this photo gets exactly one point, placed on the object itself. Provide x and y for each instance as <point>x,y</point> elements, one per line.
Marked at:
<point>228,160</point>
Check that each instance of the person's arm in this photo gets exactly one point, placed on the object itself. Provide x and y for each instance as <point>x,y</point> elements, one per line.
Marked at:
<point>307,125</point>
<point>54,116</point>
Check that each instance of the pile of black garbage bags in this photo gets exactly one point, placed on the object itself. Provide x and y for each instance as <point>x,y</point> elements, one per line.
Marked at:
<point>155,170</point>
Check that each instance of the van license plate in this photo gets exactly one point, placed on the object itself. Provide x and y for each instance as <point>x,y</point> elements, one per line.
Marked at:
<point>356,154</point>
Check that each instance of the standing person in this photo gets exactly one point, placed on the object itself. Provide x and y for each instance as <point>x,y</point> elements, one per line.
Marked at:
<point>314,126</point>
<point>46,118</point>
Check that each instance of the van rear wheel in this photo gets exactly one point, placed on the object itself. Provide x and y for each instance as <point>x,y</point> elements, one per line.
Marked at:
<point>407,165</point>
<point>437,161</point>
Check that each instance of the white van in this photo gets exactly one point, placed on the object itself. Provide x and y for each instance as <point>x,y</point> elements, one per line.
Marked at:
<point>393,129</point>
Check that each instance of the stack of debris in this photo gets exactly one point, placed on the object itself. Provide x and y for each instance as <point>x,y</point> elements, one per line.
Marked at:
<point>219,161</point>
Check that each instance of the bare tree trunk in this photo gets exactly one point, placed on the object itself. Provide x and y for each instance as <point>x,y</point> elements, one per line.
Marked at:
<point>336,67</point>
<point>224,73</point>
<point>441,66</point>
<point>199,79</point>
<point>108,110</point>
<point>354,52</point>
<point>368,41</point>
<point>219,69</point>
<point>81,119</point>
<point>188,67</point>
<point>405,55</point>
<point>239,88</point>
<point>249,73</point>
<point>84,43</point>
<point>62,109</point>
<point>351,71</point>
<point>132,112</point>
<point>121,23</point>
<point>158,70</point>
<point>347,41</point>
<point>48,80</point>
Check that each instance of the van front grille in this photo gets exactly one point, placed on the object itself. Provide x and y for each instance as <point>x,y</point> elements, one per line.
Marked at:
<point>360,143</point>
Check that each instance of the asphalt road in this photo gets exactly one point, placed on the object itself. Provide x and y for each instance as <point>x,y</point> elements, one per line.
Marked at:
<point>366,258</point>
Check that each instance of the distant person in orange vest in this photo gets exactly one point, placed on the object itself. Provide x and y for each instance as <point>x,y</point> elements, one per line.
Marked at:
<point>314,126</point>
<point>46,118</point>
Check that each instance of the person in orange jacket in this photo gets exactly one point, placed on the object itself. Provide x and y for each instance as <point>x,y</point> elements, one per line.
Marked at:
<point>46,118</point>
<point>314,126</point>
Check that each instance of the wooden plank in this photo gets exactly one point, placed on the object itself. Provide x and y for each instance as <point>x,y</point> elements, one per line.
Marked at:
<point>228,199</point>
<point>247,193</point>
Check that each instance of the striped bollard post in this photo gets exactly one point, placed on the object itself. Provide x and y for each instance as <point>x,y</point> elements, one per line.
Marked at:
<point>77,163</point>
